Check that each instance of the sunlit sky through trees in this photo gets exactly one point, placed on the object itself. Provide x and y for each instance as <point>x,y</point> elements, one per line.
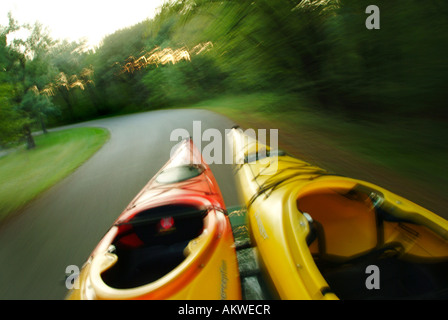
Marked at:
<point>73,20</point>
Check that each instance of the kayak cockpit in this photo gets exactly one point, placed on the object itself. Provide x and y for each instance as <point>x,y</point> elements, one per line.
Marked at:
<point>354,227</point>
<point>179,173</point>
<point>152,244</point>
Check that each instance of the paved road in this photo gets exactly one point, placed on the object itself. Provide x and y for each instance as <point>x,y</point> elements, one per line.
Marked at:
<point>62,226</point>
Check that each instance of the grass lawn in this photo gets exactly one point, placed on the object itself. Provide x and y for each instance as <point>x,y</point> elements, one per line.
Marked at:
<point>24,174</point>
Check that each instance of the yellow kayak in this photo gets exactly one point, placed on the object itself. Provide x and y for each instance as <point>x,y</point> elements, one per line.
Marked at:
<point>324,236</point>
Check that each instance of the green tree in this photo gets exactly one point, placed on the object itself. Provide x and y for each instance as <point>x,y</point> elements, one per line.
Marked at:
<point>28,67</point>
<point>11,121</point>
<point>37,106</point>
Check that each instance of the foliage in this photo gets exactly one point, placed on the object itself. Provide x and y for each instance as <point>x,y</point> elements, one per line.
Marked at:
<point>318,49</point>
<point>11,122</point>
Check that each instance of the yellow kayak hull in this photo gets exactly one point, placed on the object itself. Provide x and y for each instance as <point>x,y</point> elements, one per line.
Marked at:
<point>312,230</point>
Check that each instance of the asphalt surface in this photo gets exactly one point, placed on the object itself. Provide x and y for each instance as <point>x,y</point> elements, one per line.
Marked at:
<point>63,225</point>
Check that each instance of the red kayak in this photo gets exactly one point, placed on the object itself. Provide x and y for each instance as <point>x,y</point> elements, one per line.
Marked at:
<point>173,241</point>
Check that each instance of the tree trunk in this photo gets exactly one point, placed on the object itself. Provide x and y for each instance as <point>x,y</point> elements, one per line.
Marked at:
<point>30,144</point>
<point>42,124</point>
<point>66,97</point>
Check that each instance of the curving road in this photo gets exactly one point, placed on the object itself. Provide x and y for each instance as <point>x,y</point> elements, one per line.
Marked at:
<point>62,226</point>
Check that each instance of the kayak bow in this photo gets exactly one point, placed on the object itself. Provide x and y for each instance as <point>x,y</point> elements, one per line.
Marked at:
<point>173,241</point>
<point>324,236</point>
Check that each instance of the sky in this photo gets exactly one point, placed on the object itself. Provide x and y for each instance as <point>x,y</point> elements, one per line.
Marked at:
<point>77,19</point>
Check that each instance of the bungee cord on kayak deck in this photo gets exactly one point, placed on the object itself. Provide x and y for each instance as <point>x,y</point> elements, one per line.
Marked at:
<point>273,182</point>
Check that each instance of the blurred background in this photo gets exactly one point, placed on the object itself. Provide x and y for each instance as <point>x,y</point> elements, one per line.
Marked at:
<point>310,64</point>
<point>309,67</point>
<point>318,50</point>
<point>371,104</point>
